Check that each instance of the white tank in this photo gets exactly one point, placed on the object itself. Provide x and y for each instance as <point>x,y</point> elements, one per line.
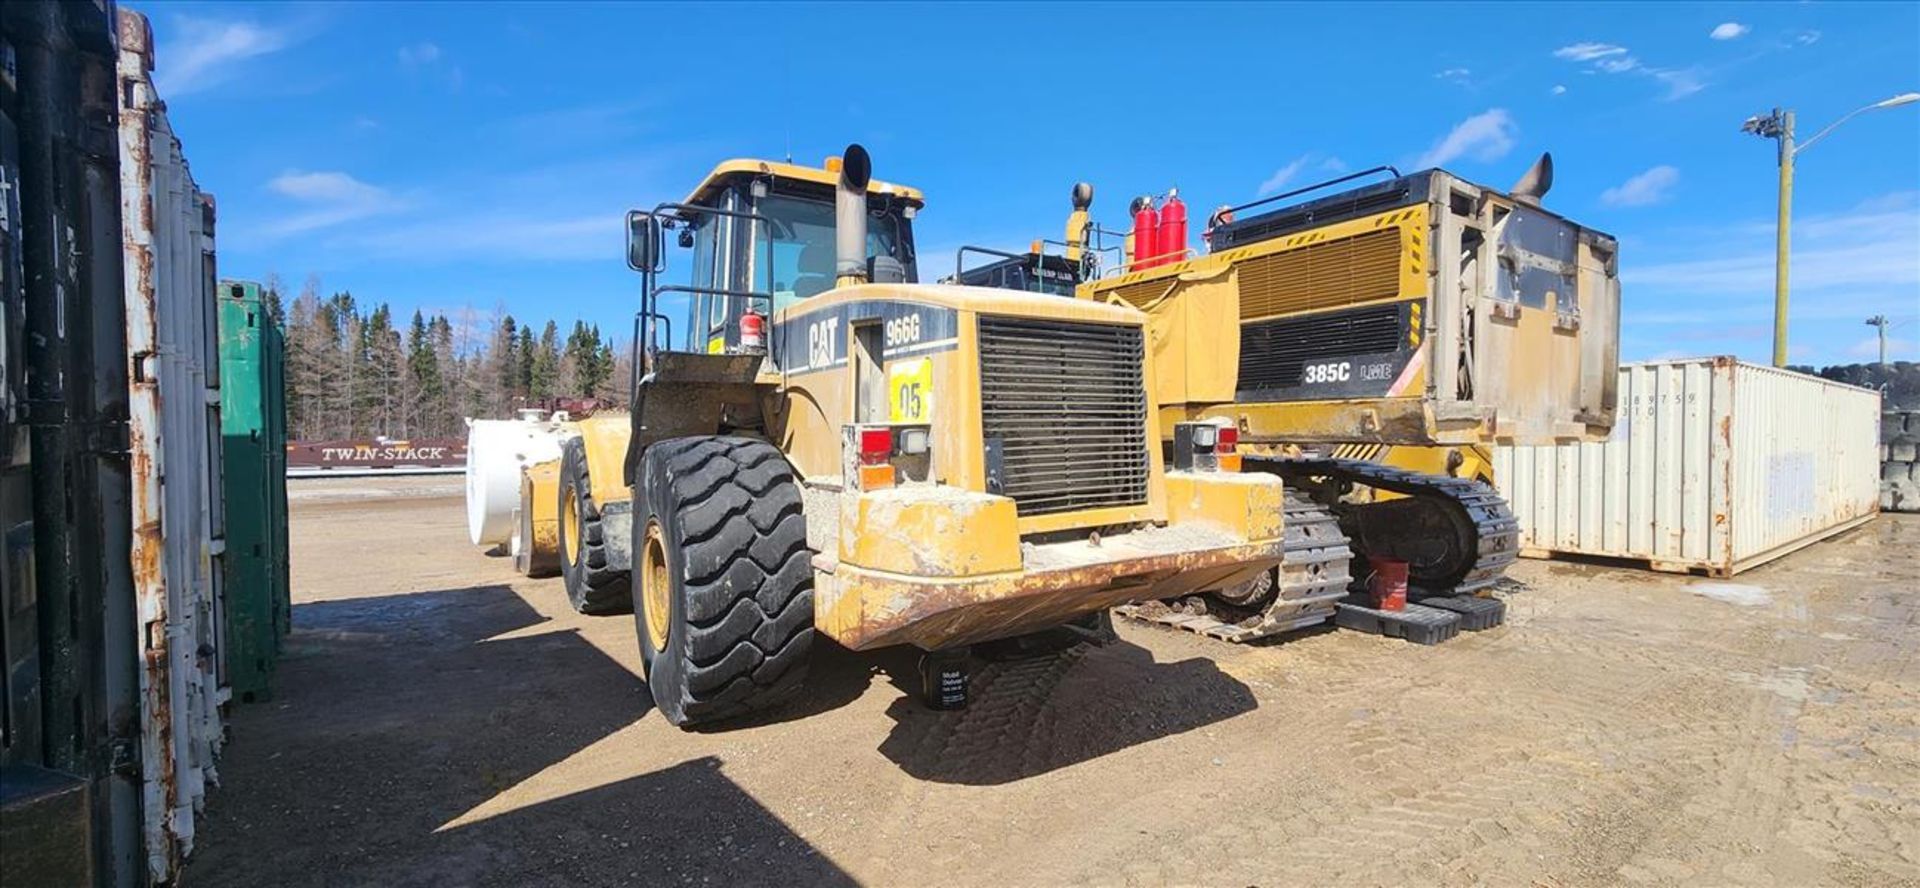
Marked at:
<point>497,451</point>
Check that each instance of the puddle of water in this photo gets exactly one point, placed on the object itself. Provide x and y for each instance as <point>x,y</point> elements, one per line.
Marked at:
<point>1733,593</point>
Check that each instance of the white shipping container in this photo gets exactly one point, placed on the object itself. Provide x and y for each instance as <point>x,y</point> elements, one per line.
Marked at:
<point>1714,465</point>
<point>174,443</point>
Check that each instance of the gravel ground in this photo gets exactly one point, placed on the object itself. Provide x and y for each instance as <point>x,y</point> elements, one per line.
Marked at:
<point>440,720</point>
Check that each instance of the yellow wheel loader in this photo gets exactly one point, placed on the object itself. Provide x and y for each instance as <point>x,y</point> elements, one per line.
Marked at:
<point>567,496</point>
<point>1422,313</point>
<point>592,502</point>
<point>821,446</point>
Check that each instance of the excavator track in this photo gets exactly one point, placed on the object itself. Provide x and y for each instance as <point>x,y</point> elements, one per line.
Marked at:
<point>1312,578</point>
<point>1456,534</point>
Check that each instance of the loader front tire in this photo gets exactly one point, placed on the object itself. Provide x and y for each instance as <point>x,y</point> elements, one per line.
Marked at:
<point>725,578</point>
<point>593,586</point>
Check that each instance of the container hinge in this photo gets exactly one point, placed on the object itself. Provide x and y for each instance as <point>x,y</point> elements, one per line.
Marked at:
<point>124,758</point>
<point>143,366</point>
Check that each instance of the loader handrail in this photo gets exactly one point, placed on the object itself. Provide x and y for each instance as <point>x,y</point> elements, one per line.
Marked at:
<point>650,292</point>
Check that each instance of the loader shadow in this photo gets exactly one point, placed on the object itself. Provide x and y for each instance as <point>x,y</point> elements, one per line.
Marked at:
<point>395,715</point>
<point>688,822</point>
<point>1029,717</point>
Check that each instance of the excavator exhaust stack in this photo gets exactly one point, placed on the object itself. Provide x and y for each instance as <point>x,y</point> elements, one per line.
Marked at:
<point>1533,187</point>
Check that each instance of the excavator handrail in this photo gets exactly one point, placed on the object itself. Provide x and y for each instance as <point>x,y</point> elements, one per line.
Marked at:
<point>960,257</point>
<point>1386,168</point>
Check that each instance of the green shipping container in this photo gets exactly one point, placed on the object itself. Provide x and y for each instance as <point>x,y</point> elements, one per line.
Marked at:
<point>254,432</point>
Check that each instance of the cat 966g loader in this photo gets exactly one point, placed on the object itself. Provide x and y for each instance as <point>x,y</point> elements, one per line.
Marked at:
<point>820,445</point>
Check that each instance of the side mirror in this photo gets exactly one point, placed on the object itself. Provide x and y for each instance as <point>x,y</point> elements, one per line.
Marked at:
<point>645,247</point>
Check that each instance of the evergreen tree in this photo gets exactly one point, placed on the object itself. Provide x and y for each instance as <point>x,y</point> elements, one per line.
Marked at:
<point>545,364</point>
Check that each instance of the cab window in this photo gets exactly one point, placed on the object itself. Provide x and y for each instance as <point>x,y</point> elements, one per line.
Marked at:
<point>798,250</point>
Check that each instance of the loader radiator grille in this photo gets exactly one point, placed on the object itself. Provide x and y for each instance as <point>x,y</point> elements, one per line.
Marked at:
<point>1064,409</point>
<point>1273,353</point>
<point>1350,270</point>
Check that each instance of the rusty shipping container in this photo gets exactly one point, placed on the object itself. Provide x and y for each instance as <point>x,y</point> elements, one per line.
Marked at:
<point>1714,466</point>
<point>174,437</point>
<point>70,723</point>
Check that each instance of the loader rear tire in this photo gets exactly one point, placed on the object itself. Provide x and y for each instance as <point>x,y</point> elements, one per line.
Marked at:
<point>725,610</point>
<point>593,586</point>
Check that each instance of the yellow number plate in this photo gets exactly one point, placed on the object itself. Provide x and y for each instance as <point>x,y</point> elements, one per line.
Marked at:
<point>910,391</point>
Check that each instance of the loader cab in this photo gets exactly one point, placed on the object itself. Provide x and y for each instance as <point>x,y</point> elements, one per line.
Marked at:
<point>768,243</point>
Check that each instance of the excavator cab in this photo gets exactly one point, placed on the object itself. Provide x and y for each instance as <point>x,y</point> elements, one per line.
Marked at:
<point>1039,270</point>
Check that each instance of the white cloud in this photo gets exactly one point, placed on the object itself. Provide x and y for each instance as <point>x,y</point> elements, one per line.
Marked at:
<point>1283,175</point>
<point>1587,52</point>
<point>419,54</point>
<point>324,187</point>
<point>1483,137</point>
<point>1680,83</point>
<point>1869,348</point>
<point>204,52</point>
<point>1559,89</point>
<point>1608,58</point>
<point>329,198</point>
<point>1461,76</point>
<point>1807,38</point>
<point>1867,248</point>
<point>588,237</point>
<point>1650,187</point>
<point>1729,31</point>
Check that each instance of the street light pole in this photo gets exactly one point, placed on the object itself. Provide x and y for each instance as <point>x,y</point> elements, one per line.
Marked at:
<point>1881,322</point>
<point>1779,127</point>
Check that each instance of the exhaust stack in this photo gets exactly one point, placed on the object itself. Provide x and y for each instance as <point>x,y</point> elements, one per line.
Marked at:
<point>1077,221</point>
<point>1533,186</point>
<point>850,218</point>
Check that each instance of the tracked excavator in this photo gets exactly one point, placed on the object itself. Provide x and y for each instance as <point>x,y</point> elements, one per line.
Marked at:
<point>1414,318</point>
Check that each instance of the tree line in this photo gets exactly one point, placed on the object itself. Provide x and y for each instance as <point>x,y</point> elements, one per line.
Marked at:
<point>355,371</point>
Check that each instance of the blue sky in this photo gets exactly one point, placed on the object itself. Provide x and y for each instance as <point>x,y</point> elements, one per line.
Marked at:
<point>469,159</point>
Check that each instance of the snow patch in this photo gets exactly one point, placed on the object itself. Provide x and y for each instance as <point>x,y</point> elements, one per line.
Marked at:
<point>1733,593</point>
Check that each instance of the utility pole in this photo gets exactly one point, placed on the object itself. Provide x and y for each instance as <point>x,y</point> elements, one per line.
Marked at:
<point>1881,322</point>
<point>1781,239</point>
<point>1778,126</point>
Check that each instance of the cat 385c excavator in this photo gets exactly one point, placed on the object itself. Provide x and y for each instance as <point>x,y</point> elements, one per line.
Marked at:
<point>1422,313</point>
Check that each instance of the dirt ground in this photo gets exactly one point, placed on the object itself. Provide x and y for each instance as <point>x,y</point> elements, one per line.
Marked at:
<point>438,719</point>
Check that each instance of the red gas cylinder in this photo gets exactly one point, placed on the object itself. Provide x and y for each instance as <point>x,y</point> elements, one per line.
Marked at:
<point>1173,230</point>
<point>1146,233</point>
<point>1388,585</point>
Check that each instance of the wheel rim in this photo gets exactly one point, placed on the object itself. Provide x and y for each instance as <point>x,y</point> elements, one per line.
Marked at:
<point>655,597</point>
<point>570,528</point>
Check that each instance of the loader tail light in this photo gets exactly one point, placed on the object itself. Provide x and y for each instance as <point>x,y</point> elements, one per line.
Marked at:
<point>876,446</point>
<point>868,456</point>
<point>1226,449</point>
<point>1205,447</point>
